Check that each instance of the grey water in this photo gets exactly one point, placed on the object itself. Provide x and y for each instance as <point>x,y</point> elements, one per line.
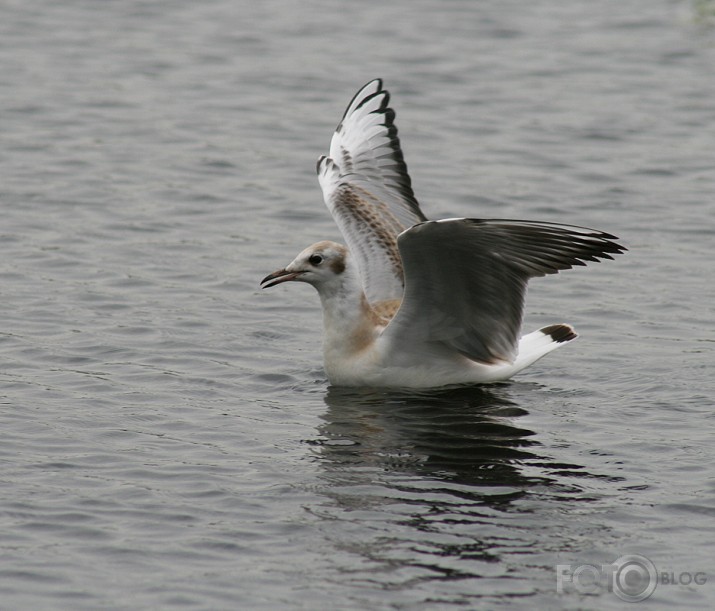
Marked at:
<point>167,435</point>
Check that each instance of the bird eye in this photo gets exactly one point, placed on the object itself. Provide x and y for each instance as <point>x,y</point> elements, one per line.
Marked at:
<point>315,260</point>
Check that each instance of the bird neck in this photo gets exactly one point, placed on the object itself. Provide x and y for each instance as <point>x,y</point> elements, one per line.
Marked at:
<point>350,323</point>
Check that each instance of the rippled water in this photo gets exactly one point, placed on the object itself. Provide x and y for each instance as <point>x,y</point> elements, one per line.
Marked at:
<point>168,436</point>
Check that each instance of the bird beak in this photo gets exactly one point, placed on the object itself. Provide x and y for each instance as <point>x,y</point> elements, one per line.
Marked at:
<point>282,275</point>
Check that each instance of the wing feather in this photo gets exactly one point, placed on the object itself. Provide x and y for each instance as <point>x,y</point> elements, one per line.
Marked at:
<point>368,190</point>
<point>465,280</point>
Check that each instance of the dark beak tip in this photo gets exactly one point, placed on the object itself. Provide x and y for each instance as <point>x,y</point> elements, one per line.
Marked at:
<point>266,282</point>
<point>277,277</point>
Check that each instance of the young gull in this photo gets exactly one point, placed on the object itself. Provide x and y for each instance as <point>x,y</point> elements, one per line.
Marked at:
<point>417,303</point>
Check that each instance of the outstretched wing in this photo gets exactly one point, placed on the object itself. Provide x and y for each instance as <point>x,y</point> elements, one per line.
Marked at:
<point>465,280</point>
<point>368,190</point>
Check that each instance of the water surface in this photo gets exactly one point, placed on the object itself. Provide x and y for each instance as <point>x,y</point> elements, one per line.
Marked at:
<point>169,436</point>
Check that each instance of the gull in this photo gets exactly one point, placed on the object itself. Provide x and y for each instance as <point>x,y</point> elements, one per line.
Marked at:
<point>418,303</point>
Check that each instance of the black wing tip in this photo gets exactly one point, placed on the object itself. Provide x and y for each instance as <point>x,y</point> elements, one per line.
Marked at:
<point>369,91</point>
<point>360,92</point>
<point>377,80</point>
<point>545,225</point>
<point>602,242</point>
<point>560,333</point>
<point>360,99</point>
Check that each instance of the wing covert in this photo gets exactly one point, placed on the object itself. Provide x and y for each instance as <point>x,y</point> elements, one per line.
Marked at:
<point>465,279</point>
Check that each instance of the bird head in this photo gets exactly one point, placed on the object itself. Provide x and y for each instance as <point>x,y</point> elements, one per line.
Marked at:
<point>321,265</point>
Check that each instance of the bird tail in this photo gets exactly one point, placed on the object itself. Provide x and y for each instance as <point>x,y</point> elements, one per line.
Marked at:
<point>539,343</point>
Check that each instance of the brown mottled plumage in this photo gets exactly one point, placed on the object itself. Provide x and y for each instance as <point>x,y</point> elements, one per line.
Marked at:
<point>420,303</point>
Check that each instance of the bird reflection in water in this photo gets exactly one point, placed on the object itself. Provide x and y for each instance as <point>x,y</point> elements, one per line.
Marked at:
<point>435,485</point>
<point>463,435</point>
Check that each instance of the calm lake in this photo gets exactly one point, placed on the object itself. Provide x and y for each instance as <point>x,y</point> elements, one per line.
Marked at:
<point>169,438</point>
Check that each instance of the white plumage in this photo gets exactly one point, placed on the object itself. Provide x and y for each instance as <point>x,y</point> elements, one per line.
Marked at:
<point>418,303</point>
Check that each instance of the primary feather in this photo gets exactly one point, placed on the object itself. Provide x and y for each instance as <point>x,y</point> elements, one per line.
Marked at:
<point>421,303</point>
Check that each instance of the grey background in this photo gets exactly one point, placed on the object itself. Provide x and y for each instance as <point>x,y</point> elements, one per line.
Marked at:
<point>169,439</point>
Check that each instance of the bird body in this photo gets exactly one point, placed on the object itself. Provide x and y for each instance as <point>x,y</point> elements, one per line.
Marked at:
<point>357,350</point>
<point>417,303</point>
